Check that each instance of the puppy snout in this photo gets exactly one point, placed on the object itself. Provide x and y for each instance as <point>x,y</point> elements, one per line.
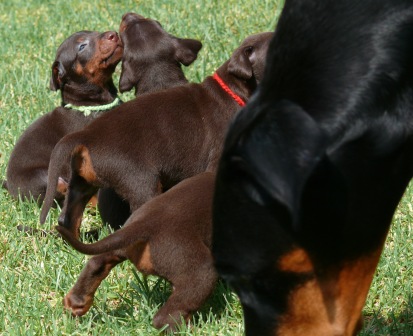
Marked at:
<point>126,16</point>
<point>112,36</point>
<point>130,16</point>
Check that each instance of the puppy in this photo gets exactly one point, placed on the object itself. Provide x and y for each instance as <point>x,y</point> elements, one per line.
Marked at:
<point>82,71</point>
<point>161,138</point>
<point>152,58</point>
<point>151,62</point>
<point>314,167</point>
<point>169,236</point>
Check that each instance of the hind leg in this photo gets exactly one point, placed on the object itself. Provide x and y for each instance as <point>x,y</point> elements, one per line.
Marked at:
<point>114,210</point>
<point>79,194</point>
<point>193,278</point>
<point>82,187</point>
<point>80,297</point>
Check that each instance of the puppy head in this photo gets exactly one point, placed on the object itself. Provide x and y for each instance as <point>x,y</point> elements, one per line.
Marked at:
<point>248,60</point>
<point>147,44</point>
<point>86,57</point>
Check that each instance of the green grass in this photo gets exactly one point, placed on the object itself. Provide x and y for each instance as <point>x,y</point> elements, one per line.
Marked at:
<point>35,273</point>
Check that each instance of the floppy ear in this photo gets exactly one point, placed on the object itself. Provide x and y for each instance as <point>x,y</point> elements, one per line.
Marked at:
<point>240,64</point>
<point>58,71</point>
<point>125,80</point>
<point>276,151</point>
<point>187,50</point>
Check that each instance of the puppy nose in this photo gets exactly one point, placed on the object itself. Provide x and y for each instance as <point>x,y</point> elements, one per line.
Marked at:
<point>112,36</point>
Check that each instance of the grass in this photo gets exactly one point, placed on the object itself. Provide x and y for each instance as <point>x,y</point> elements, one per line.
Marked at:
<point>36,272</point>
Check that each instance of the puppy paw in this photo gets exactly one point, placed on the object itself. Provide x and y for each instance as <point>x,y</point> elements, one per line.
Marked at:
<point>172,319</point>
<point>77,305</point>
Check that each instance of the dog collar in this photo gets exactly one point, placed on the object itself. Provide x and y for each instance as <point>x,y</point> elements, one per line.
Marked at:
<point>226,88</point>
<point>87,110</point>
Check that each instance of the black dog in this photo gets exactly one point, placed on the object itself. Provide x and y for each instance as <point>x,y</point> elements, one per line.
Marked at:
<point>315,165</point>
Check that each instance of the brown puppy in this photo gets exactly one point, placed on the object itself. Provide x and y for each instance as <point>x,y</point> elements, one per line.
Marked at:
<point>152,58</point>
<point>82,71</point>
<point>161,138</point>
<point>151,62</point>
<point>169,236</point>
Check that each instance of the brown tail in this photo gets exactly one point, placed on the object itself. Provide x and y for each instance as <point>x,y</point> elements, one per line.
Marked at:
<point>60,157</point>
<point>119,239</point>
<point>4,184</point>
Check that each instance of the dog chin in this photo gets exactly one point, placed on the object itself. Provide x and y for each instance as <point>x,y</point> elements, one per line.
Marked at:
<point>114,57</point>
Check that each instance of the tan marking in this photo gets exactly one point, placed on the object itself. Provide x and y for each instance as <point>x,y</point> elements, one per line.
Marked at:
<point>76,228</point>
<point>296,261</point>
<point>91,68</point>
<point>83,163</point>
<point>62,186</point>
<point>79,70</point>
<point>331,303</point>
<point>93,202</point>
<point>159,188</point>
<point>141,257</point>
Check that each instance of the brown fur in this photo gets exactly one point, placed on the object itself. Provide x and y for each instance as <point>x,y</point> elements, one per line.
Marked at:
<point>314,167</point>
<point>152,61</point>
<point>161,138</point>
<point>89,85</point>
<point>169,236</point>
<point>153,58</point>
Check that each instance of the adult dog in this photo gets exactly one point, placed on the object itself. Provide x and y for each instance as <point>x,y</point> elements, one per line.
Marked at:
<point>314,167</point>
<point>157,140</point>
<point>82,71</point>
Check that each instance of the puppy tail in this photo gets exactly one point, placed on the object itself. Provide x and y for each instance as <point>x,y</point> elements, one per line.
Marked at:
<point>60,157</point>
<point>4,184</point>
<point>117,240</point>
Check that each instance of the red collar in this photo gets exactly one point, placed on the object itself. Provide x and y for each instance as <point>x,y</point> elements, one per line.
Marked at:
<point>225,87</point>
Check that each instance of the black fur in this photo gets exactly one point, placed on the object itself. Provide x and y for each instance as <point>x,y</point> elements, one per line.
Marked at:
<point>322,154</point>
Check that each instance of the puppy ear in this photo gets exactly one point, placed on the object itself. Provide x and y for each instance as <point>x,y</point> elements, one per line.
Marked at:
<point>240,63</point>
<point>187,50</point>
<point>275,150</point>
<point>58,72</point>
<point>125,82</point>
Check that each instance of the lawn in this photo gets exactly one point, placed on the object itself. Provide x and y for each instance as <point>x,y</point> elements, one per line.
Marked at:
<point>35,272</point>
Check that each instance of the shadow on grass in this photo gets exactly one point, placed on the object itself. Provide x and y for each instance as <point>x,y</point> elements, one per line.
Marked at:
<point>393,324</point>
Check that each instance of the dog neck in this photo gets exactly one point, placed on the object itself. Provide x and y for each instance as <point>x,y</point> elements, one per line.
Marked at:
<point>88,94</point>
<point>87,110</point>
<point>228,90</point>
<point>159,77</point>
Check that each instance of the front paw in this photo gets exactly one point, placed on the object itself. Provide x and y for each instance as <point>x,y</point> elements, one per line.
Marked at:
<point>76,304</point>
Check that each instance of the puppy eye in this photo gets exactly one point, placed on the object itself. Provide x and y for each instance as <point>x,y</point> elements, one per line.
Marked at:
<point>82,46</point>
<point>248,51</point>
